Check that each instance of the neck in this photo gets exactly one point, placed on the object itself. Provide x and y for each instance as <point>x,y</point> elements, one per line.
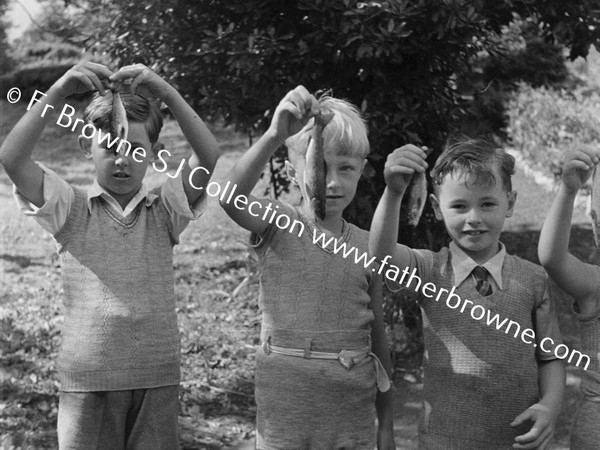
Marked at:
<point>332,222</point>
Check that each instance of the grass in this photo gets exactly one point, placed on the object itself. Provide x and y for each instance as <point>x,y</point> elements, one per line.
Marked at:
<point>218,329</point>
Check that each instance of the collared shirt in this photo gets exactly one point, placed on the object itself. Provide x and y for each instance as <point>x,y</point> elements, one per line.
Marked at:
<point>59,196</point>
<point>463,265</point>
<point>545,320</point>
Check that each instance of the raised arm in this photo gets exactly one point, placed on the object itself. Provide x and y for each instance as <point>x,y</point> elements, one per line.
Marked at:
<point>204,145</point>
<point>399,168</point>
<point>16,150</point>
<point>292,113</point>
<point>575,277</point>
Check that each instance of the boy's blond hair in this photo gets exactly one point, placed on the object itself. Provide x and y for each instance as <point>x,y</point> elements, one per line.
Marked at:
<point>346,132</point>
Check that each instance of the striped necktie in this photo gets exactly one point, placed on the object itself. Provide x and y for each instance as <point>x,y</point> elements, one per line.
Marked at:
<point>483,285</point>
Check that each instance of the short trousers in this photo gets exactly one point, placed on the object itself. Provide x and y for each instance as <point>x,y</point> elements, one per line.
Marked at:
<point>120,420</point>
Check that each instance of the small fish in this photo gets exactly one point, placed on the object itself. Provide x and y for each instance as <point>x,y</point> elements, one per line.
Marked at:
<point>595,205</point>
<point>417,197</point>
<point>314,171</point>
<point>118,121</point>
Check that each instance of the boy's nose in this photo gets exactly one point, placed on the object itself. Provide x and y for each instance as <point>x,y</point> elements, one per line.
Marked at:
<point>332,179</point>
<point>121,160</point>
<point>473,216</point>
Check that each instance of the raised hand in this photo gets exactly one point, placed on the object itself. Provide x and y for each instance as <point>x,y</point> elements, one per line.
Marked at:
<point>578,167</point>
<point>83,77</point>
<point>293,112</point>
<point>401,164</point>
<point>144,81</point>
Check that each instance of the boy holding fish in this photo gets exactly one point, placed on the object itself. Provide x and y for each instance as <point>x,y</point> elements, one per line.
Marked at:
<point>483,387</point>
<point>320,377</point>
<point>118,365</point>
<point>581,281</point>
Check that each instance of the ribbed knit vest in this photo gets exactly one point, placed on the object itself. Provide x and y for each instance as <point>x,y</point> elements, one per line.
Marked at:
<point>120,329</point>
<point>479,378</point>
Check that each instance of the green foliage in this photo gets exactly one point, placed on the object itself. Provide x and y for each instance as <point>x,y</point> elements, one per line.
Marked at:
<point>545,123</point>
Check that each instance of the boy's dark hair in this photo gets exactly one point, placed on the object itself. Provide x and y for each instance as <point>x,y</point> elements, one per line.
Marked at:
<point>475,157</point>
<point>138,109</point>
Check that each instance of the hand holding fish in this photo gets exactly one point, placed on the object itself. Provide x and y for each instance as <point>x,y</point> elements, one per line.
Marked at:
<point>293,112</point>
<point>400,166</point>
<point>578,167</point>
<point>83,77</point>
<point>144,81</point>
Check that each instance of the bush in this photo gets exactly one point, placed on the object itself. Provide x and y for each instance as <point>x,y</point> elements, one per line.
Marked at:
<point>545,123</point>
<point>30,78</point>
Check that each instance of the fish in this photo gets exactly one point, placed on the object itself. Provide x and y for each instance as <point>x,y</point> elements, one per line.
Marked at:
<point>417,197</point>
<point>118,120</point>
<point>595,205</point>
<point>315,175</point>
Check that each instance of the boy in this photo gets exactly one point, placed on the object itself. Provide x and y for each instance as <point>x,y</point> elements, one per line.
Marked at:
<point>119,361</point>
<point>479,380</point>
<point>581,281</point>
<point>320,365</point>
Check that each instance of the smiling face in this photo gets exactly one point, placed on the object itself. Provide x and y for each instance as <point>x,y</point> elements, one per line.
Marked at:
<point>474,212</point>
<point>121,176</point>
<point>343,172</point>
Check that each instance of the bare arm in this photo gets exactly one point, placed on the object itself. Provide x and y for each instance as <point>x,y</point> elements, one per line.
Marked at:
<point>204,145</point>
<point>292,113</point>
<point>400,166</point>
<point>17,148</point>
<point>384,402</point>
<point>572,275</point>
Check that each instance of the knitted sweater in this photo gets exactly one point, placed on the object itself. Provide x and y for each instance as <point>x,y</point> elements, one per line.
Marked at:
<point>479,378</point>
<point>120,329</point>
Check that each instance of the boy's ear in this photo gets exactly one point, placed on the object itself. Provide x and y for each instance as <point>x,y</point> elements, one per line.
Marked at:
<point>435,203</point>
<point>512,199</point>
<point>86,146</point>
<point>291,172</point>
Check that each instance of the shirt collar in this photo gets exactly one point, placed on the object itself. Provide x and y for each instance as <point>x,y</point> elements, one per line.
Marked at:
<point>463,265</point>
<point>96,190</point>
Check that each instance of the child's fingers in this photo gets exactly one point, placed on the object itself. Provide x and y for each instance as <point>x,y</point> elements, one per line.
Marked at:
<point>407,158</point>
<point>142,77</point>
<point>93,78</point>
<point>304,101</point>
<point>83,79</point>
<point>99,69</point>
<point>406,164</point>
<point>410,151</point>
<point>581,166</point>
<point>130,71</point>
<point>402,170</point>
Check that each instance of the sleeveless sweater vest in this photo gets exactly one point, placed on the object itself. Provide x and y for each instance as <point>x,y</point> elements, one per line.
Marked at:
<point>120,329</point>
<point>479,378</point>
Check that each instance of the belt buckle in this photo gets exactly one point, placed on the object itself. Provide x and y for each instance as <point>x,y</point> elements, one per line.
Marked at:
<point>267,346</point>
<point>346,360</point>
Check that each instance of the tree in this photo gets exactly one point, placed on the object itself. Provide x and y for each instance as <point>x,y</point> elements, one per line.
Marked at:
<point>5,60</point>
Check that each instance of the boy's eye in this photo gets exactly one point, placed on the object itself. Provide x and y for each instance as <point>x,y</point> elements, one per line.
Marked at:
<point>488,205</point>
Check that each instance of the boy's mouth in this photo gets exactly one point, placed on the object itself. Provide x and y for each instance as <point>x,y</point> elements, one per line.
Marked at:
<point>122,175</point>
<point>474,232</point>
